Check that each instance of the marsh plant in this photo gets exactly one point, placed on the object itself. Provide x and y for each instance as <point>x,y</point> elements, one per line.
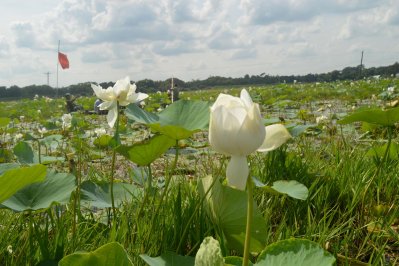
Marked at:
<point>248,179</point>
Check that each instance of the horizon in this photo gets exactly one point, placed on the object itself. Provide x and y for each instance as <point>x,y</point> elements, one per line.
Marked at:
<point>191,40</point>
<point>266,74</point>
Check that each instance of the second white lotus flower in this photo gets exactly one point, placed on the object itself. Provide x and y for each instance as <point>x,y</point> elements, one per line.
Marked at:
<point>236,128</point>
<point>122,92</point>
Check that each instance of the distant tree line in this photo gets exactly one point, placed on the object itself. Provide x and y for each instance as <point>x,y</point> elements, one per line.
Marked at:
<point>148,85</point>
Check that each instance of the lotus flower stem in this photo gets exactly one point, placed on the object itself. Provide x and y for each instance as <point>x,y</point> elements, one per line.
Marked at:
<point>111,178</point>
<point>250,207</point>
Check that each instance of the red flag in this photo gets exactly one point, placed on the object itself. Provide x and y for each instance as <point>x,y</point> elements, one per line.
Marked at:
<point>63,59</point>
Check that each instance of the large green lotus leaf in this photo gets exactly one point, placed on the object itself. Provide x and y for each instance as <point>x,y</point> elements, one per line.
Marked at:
<point>228,207</point>
<point>296,130</point>
<point>24,153</point>
<point>374,116</point>
<point>102,141</point>
<point>12,180</point>
<point>7,166</point>
<point>98,195</point>
<point>294,252</point>
<point>51,159</point>
<point>56,188</point>
<point>146,152</point>
<point>380,151</point>
<point>174,132</point>
<point>291,188</point>
<point>168,259</point>
<point>191,115</point>
<point>4,121</point>
<point>109,254</point>
<point>234,261</point>
<point>140,115</point>
<point>178,121</point>
<point>52,141</point>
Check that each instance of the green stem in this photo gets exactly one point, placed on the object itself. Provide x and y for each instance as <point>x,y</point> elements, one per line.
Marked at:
<point>250,207</point>
<point>39,148</point>
<point>111,178</point>
<point>164,192</point>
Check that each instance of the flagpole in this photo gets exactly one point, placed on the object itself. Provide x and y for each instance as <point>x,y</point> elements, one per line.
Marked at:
<point>58,51</point>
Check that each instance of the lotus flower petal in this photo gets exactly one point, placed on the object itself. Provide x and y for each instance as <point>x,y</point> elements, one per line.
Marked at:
<point>276,135</point>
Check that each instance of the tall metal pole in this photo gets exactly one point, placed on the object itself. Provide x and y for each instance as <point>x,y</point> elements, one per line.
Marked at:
<point>56,90</point>
<point>172,89</point>
<point>361,65</point>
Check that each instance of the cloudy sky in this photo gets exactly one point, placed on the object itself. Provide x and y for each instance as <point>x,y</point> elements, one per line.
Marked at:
<point>191,39</point>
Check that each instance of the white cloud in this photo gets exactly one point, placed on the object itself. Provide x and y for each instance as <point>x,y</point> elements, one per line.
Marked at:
<point>193,39</point>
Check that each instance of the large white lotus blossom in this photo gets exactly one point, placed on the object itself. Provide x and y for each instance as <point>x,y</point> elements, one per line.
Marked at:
<point>122,92</point>
<point>66,121</point>
<point>236,128</point>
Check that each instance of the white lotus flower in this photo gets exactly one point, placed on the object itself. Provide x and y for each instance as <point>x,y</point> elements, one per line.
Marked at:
<point>236,129</point>
<point>122,92</point>
<point>42,130</point>
<point>66,121</point>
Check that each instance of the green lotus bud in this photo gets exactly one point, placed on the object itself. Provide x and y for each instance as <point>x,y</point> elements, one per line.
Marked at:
<point>209,253</point>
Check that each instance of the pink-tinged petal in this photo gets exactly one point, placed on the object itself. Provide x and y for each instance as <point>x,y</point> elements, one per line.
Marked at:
<point>237,172</point>
<point>112,116</point>
<point>276,135</point>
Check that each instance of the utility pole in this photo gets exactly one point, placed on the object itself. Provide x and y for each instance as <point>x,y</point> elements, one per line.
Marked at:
<point>361,65</point>
<point>48,77</point>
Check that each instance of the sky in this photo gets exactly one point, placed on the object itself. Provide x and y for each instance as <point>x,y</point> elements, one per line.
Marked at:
<point>158,39</point>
